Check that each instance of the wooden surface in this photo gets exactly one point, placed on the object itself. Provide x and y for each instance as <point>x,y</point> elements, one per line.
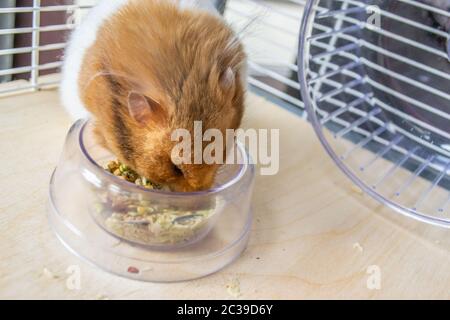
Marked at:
<point>314,235</point>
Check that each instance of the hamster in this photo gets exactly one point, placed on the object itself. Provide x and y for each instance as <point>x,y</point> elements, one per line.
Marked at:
<point>144,68</point>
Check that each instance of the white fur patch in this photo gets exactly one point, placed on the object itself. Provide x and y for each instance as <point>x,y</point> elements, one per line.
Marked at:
<point>80,41</point>
<point>84,37</point>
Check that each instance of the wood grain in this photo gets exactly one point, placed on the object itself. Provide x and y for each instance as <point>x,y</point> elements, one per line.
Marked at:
<point>309,221</point>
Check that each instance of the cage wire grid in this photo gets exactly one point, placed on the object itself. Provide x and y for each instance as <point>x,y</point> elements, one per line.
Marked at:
<point>237,13</point>
<point>337,82</point>
<point>34,67</point>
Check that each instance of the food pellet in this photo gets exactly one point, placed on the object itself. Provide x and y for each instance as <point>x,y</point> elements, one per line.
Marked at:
<point>357,190</point>
<point>49,274</point>
<point>234,288</point>
<point>358,247</point>
<point>133,270</point>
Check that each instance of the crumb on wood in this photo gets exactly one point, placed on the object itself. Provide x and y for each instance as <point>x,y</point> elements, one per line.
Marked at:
<point>358,246</point>
<point>357,190</point>
<point>234,288</point>
<point>116,244</point>
<point>49,274</point>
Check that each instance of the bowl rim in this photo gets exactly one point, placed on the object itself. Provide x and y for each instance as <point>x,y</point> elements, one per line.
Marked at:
<point>247,165</point>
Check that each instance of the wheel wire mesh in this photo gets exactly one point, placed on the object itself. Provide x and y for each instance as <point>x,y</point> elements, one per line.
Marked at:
<point>385,88</point>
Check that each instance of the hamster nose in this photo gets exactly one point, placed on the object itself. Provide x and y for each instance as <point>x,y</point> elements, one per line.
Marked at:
<point>184,186</point>
<point>194,182</point>
<point>202,180</point>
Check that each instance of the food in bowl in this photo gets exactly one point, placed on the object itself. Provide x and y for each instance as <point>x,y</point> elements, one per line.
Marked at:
<point>138,220</point>
<point>124,172</point>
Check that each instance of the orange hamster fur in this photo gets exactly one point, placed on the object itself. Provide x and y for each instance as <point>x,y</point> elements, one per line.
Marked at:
<point>155,67</point>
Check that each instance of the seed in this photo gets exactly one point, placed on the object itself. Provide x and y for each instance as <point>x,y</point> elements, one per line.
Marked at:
<point>101,297</point>
<point>234,288</point>
<point>141,210</point>
<point>129,176</point>
<point>112,166</point>
<point>133,213</point>
<point>49,274</point>
<point>98,207</point>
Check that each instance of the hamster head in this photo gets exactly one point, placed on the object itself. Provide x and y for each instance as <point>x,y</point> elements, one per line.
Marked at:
<point>143,80</point>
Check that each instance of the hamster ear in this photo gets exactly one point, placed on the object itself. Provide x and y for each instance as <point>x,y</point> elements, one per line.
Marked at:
<point>227,79</point>
<point>144,109</point>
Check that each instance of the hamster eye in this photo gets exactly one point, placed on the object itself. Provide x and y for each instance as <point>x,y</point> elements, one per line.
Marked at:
<point>177,170</point>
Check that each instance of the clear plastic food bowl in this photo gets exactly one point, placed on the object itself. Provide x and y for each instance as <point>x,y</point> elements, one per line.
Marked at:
<point>167,236</point>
